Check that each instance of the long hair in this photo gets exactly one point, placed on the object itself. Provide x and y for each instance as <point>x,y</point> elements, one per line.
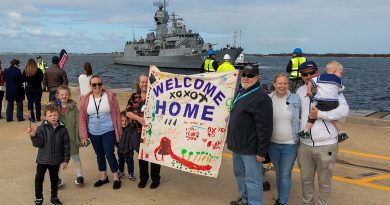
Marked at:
<point>31,67</point>
<point>88,68</point>
<point>136,85</point>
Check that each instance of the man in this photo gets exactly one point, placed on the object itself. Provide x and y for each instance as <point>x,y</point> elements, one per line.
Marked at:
<point>226,65</point>
<point>41,64</point>
<point>210,64</point>
<point>295,80</point>
<point>54,77</point>
<point>318,152</point>
<point>249,135</point>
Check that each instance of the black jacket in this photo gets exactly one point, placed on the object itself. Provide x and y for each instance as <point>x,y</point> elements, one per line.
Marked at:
<point>33,82</point>
<point>53,144</point>
<point>251,123</point>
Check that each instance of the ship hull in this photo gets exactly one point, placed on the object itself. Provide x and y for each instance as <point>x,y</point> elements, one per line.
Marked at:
<point>180,62</point>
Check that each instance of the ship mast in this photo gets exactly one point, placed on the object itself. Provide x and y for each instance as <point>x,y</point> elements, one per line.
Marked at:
<point>161,18</point>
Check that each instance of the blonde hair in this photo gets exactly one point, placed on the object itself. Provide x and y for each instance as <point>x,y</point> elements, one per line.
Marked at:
<point>333,66</point>
<point>31,68</point>
<point>278,75</point>
<point>63,87</point>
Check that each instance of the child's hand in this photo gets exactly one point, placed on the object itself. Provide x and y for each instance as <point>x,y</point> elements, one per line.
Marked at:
<point>64,165</point>
<point>31,131</point>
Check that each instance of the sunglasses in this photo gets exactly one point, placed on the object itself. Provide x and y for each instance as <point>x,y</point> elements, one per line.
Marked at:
<point>309,73</point>
<point>248,75</point>
<point>97,84</point>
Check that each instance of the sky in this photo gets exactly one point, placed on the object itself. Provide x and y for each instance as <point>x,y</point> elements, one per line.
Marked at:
<point>263,26</point>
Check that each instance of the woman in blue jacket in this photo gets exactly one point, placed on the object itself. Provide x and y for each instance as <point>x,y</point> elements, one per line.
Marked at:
<point>284,140</point>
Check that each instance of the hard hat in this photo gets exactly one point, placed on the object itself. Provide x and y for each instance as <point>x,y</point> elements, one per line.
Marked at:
<point>297,51</point>
<point>210,52</point>
<point>226,57</point>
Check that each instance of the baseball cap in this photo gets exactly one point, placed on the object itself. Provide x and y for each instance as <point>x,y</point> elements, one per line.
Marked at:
<point>307,65</point>
<point>251,70</point>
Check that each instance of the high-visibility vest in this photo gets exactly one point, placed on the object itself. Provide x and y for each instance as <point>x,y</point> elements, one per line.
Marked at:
<point>226,66</point>
<point>41,65</point>
<point>295,62</point>
<point>208,65</point>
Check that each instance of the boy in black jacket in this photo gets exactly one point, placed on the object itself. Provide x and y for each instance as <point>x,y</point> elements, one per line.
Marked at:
<point>52,139</point>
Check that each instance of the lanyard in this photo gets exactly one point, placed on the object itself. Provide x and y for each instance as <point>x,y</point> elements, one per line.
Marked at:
<point>239,96</point>
<point>97,106</point>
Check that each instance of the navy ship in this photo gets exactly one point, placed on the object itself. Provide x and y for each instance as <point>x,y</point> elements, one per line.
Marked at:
<point>175,47</point>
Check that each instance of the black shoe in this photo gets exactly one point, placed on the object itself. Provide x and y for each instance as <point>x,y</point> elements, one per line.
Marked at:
<point>38,201</point>
<point>238,202</point>
<point>142,184</point>
<point>117,184</point>
<point>21,120</point>
<point>9,120</point>
<point>99,182</point>
<point>79,181</point>
<point>154,185</point>
<point>342,137</point>
<point>1,117</point>
<point>55,201</point>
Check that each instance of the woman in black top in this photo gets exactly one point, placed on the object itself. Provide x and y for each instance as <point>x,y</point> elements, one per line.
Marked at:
<point>33,77</point>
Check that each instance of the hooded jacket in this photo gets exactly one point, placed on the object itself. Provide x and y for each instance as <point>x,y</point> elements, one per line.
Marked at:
<point>69,118</point>
<point>251,123</point>
<point>53,144</point>
<point>323,131</point>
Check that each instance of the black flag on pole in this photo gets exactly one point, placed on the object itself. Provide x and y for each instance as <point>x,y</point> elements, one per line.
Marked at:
<point>63,58</point>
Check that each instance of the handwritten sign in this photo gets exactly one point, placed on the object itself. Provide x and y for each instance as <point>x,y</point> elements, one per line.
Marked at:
<point>187,118</point>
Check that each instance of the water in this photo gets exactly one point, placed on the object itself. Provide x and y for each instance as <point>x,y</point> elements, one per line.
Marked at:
<point>366,79</point>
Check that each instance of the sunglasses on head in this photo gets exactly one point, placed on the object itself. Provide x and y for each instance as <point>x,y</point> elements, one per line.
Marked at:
<point>97,84</point>
<point>309,73</point>
<point>248,75</point>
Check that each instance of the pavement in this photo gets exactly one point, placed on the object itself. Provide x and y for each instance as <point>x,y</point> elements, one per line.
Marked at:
<point>361,176</point>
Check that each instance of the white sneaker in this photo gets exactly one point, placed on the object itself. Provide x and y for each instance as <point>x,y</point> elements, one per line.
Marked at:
<point>60,182</point>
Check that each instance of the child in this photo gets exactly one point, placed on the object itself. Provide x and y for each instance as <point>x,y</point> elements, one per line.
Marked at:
<point>328,88</point>
<point>52,139</point>
<point>68,114</point>
<point>125,151</point>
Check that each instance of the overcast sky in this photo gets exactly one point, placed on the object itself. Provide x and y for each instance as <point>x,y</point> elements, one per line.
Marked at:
<point>273,26</point>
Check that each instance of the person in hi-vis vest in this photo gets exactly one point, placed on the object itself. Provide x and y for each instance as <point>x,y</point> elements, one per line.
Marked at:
<point>41,64</point>
<point>295,80</point>
<point>210,64</point>
<point>226,65</point>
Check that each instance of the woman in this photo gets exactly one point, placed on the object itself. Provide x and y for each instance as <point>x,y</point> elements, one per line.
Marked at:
<point>284,141</point>
<point>84,79</point>
<point>99,120</point>
<point>33,77</point>
<point>2,89</point>
<point>135,111</point>
<point>15,92</point>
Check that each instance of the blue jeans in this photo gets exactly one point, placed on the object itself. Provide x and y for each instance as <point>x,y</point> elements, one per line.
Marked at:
<point>128,158</point>
<point>283,157</point>
<point>104,146</point>
<point>249,176</point>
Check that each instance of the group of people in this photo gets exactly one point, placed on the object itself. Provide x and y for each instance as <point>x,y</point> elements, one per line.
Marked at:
<point>99,121</point>
<point>18,84</point>
<point>292,122</point>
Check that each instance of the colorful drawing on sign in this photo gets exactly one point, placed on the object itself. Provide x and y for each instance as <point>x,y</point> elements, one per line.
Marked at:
<point>186,117</point>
